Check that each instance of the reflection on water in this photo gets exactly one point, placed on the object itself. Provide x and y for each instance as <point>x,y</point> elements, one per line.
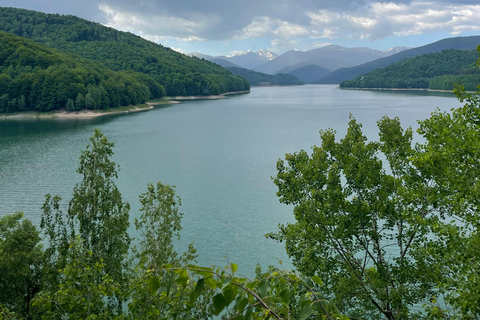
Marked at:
<point>408,93</point>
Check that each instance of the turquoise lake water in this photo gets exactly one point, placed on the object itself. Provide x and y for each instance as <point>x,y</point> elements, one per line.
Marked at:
<point>220,154</point>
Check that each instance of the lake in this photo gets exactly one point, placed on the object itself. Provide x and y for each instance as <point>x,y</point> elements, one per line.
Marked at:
<point>220,154</point>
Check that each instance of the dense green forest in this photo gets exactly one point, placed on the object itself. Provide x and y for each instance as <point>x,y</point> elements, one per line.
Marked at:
<point>36,77</point>
<point>468,77</point>
<point>417,72</point>
<point>177,73</point>
<point>257,78</point>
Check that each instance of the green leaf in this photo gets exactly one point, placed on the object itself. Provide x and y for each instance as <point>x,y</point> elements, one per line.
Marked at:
<point>248,313</point>
<point>263,288</point>
<point>229,295</point>
<point>226,282</point>
<point>308,282</point>
<point>241,304</point>
<point>171,280</point>
<point>219,303</point>
<point>285,296</point>
<point>153,284</point>
<point>234,267</point>
<point>211,282</point>
<point>199,287</point>
<point>182,279</point>
<point>317,280</point>
<point>306,311</point>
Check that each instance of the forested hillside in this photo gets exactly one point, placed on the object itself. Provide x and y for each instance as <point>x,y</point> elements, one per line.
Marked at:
<point>419,71</point>
<point>36,77</point>
<point>258,78</point>
<point>177,73</point>
<point>469,77</point>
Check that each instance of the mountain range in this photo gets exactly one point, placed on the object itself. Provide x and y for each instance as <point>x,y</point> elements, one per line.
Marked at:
<point>248,59</point>
<point>334,64</point>
<point>308,66</point>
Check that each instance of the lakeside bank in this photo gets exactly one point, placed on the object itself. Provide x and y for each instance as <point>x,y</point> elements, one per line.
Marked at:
<point>88,114</point>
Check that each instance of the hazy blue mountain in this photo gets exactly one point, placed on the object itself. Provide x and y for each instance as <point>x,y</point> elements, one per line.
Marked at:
<point>310,73</point>
<point>250,59</point>
<point>247,59</point>
<point>331,57</point>
<point>224,63</point>
<point>459,43</point>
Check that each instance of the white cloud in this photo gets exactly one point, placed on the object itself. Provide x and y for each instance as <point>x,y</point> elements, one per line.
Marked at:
<point>319,44</point>
<point>178,50</point>
<point>379,20</point>
<point>262,27</point>
<point>279,45</point>
<point>290,21</point>
<point>154,25</point>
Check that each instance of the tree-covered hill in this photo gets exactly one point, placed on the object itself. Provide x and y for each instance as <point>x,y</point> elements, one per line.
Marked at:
<point>468,77</point>
<point>258,78</point>
<point>179,74</point>
<point>419,71</point>
<point>310,73</point>
<point>36,77</point>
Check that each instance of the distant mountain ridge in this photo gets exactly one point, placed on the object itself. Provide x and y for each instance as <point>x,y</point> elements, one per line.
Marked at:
<point>247,59</point>
<point>330,57</point>
<point>459,43</point>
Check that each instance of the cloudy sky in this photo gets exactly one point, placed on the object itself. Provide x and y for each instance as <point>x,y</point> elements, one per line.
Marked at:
<point>225,26</point>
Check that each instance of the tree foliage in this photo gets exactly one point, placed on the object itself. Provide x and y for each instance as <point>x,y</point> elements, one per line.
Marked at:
<point>20,264</point>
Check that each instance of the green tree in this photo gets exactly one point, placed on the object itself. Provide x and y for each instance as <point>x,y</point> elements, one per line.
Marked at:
<point>451,159</point>
<point>79,295</point>
<point>384,238</point>
<point>70,106</point>
<point>20,263</point>
<point>80,102</point>
<point>159,223</point>
<point>96,212</point>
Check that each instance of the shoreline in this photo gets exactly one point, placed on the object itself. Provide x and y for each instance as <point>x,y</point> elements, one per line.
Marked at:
<point>210,97</point>
<point>88,114</point>
<point>82,114</point>
<point>398,89</point>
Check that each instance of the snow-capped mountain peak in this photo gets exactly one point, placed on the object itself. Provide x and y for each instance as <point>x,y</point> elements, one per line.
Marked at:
<point>266,54</point>
<point>262,53</point>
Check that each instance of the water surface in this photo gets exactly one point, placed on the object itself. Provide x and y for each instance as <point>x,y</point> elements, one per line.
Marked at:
<point>220,154</point>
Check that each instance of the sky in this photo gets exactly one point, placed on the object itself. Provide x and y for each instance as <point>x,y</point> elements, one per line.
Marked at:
<point>225,27</point>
